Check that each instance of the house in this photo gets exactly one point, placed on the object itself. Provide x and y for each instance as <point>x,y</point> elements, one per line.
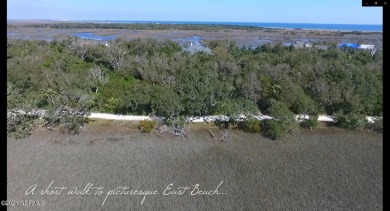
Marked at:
<point>299,44</point>
<point>349,45</point>
<point>370,48</point>
<point>364,46</point>
<point>356,46</point>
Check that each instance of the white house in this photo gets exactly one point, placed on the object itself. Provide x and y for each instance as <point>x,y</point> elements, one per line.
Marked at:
<point>363,46</point>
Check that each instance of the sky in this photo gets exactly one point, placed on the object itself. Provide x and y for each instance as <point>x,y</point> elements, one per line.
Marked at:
<point>271,11</point>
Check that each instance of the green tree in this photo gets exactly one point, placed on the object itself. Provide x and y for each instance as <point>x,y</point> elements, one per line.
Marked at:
<point>200,91</point>
<point>282,121</point>
<point>165,101</point>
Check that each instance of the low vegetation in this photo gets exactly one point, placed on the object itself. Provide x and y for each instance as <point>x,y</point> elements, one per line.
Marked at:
<point>146,126</point>
<point>351,121</point>
<point>251,125</point>
<point>328,169</point>
<point>311,122</point>
<point>376,126</point>
<point>282,122</point>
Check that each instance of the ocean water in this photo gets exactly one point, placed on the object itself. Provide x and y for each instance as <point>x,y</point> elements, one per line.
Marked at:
<point>314,26</point>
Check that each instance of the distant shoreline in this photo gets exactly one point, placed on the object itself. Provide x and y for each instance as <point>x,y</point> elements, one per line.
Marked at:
<point>287,26</point>
<point>243,36</point>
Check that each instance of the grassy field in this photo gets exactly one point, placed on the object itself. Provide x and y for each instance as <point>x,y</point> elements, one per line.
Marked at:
<point>327,169</point>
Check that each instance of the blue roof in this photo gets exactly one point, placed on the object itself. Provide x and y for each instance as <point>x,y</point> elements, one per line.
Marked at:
<point>349,45</point>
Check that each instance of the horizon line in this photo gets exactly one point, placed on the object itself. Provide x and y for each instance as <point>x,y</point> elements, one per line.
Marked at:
<point>86,20</point>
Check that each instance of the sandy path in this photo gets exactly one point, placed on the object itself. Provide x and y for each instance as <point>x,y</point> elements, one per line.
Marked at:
<point>321,118</point>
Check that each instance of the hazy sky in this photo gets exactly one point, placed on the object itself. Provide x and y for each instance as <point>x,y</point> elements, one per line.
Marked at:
<point>276,11</point>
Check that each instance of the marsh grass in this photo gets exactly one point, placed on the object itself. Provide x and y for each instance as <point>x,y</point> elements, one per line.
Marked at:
<point>323,169</point>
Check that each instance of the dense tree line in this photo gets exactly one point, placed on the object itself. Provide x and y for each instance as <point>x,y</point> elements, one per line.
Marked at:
<point>146,76</point>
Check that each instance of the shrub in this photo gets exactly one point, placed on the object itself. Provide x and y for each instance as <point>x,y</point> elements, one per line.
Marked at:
<point>72,120</point>
<point>175,122</point>
<point>282,120</point>
<point>376,126</point>
<point>111,105</point>
<point>351,121</point>
<point>74,123</point>
<point>312,122</point>
<point>146,126</point>
<point>225,124</point>
<point>222,124</point>
<point>251,125</point>
<point>273,129</point>
<point>20,125</point>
